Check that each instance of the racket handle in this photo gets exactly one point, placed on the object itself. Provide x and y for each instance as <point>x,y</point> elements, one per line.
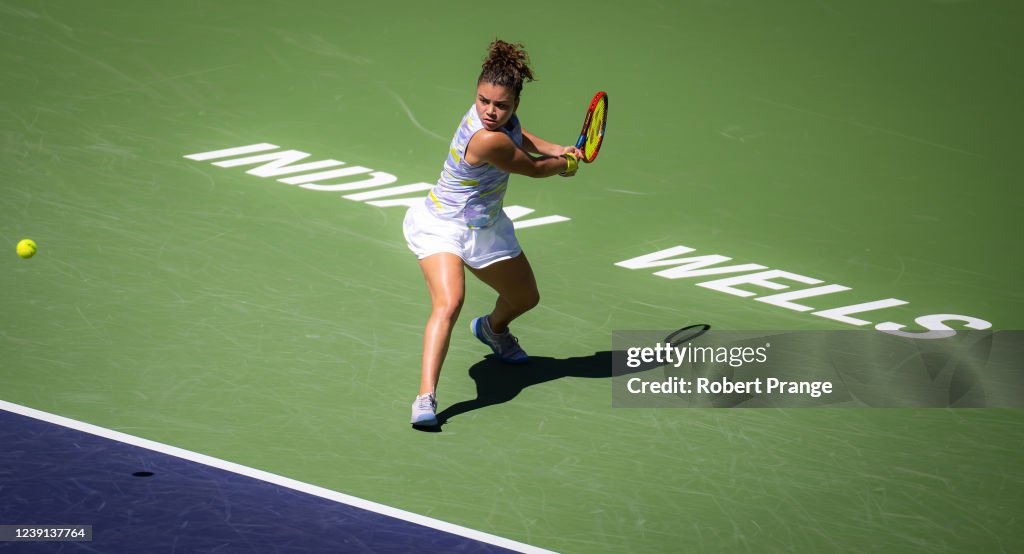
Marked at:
<point>582,139</point>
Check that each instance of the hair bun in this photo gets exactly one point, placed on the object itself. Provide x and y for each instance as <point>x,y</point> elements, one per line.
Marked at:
<point>507,64</point>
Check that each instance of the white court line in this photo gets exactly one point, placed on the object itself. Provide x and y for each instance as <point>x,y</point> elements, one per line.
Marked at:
<point>272,478</point>
<point>249,149</point>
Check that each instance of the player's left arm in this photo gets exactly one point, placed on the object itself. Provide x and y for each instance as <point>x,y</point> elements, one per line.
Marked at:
<point>536,145</point>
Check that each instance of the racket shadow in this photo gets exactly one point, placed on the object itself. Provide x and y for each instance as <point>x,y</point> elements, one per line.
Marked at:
<point>497,383</point>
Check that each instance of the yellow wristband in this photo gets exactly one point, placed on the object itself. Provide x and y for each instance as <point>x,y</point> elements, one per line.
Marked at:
<point>571,164</point>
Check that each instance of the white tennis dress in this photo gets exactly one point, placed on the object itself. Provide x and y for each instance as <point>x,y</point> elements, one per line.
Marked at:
<point>463,214</point>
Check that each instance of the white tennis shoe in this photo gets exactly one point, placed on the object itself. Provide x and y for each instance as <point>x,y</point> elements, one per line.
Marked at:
<point>423,409</point>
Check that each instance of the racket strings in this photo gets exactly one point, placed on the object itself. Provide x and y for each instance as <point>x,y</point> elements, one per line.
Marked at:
<point>595,132</point>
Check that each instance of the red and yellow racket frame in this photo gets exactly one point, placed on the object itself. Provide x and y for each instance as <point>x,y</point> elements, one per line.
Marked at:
<point>597,100</point>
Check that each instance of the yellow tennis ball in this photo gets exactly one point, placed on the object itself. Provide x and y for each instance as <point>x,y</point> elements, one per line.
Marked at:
<point>27,248</point>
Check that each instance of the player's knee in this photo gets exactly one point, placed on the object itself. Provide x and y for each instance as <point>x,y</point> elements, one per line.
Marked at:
<point>448,308</point>
<point>530,300</point>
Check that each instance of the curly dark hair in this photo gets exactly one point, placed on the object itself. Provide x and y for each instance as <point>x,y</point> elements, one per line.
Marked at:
<point>507,65</point>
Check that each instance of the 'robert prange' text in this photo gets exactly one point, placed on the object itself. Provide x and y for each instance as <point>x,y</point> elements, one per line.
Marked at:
<point>724,385</point>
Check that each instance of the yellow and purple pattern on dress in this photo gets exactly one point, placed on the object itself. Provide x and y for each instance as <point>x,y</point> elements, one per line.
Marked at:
<point>473,194</point>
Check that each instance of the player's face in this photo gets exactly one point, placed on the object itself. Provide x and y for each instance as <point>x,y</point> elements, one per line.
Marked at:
<point>495,105</point>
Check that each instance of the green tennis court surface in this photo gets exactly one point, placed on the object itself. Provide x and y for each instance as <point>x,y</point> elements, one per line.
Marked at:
<point>869,145</point>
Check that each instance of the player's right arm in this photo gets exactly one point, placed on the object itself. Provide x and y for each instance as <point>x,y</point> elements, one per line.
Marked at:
<point>497,148</point>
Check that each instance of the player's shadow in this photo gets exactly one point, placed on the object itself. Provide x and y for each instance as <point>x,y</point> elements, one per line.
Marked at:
<point>498,382</point>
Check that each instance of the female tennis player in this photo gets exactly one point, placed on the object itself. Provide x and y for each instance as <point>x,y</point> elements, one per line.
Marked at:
<point>461,222</point>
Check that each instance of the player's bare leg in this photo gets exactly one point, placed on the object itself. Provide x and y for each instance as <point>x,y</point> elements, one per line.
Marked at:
<point>446,283</point>
<point>516,287</point>
<point>517,294</point>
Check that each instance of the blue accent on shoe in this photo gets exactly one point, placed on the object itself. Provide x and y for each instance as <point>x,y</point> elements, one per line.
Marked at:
<point>505,346</point>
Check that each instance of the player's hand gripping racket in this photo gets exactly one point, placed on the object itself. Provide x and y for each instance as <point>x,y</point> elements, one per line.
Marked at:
<point>592,134</point>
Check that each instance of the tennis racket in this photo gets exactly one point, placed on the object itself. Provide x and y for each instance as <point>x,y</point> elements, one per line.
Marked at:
<point>592,134</point>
